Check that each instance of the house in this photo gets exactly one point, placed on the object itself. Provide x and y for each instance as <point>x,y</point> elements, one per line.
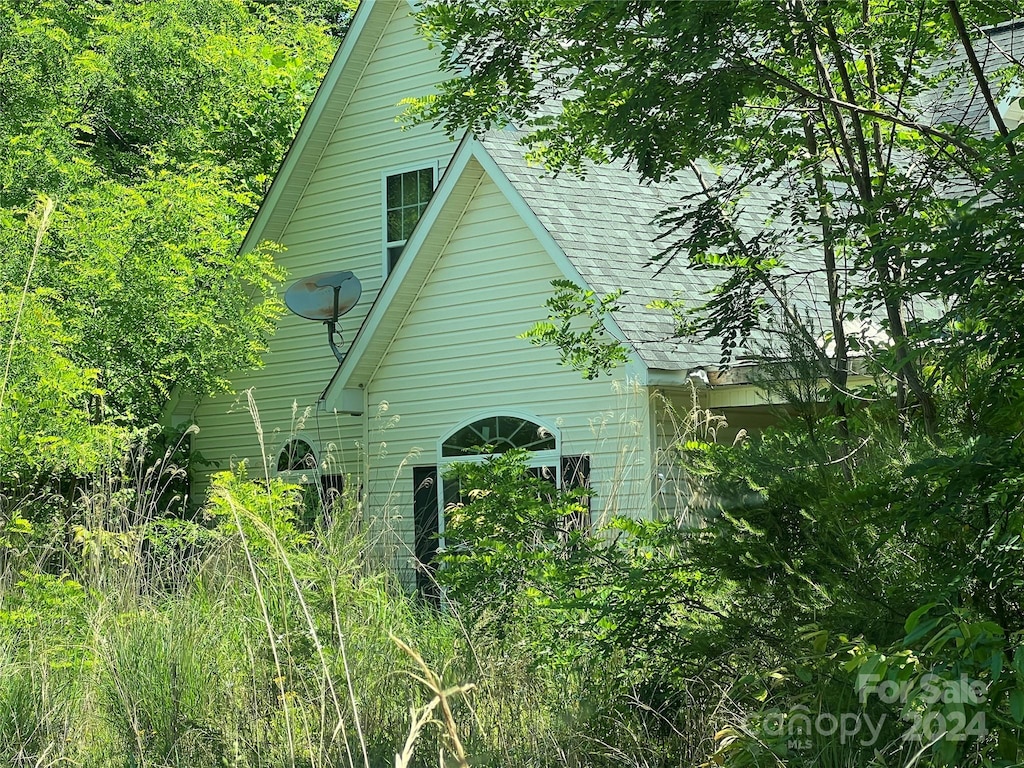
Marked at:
<point>455,244</point>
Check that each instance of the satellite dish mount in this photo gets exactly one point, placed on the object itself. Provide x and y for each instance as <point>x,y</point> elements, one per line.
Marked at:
<point>325,297</point>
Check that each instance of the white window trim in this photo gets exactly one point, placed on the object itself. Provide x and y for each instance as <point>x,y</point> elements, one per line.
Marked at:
<point>548,458</point>
<point>384,243</point>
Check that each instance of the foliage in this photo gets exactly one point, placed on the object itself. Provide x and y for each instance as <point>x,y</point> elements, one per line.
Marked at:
<point>836,118</point>
<point>123,90</point>
<point>45,424</point>
<point>944,694</point>
<point>265,519</point>
<point>872,531</point>
<point>334,14</point>
<point>154,267</point>
<point>582,347</point>
<point>804,575</point>
<point>517,556</point>
<point>152,130</point>
<point>264,646</point>
<point>512,530</point>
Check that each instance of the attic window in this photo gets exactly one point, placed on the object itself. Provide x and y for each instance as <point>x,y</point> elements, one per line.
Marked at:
<point>296,455</point>
<point>406,195</point>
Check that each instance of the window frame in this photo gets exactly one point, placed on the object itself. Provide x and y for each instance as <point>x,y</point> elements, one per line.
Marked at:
<point>432,165</point>
<point>551,457</point>
<point>291,474</point>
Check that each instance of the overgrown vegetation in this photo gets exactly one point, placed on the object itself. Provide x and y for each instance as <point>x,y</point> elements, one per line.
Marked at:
<point>863,559</point>
<point>136,140</point>
<point>853,593</point>
<point>859,612</point>
<point>242,639</point>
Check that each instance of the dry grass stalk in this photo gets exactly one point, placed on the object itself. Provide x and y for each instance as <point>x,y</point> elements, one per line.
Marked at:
<point>425,714</point>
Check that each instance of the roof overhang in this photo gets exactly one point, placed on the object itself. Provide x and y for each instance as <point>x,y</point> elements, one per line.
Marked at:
<point>330,102</point>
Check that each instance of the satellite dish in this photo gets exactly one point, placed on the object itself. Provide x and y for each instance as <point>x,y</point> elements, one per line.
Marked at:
<point>325,297</point>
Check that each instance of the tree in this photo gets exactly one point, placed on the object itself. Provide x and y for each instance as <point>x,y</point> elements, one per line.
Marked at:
<point>154,129</point>
<point>849,541</point>
<point>839,101</point>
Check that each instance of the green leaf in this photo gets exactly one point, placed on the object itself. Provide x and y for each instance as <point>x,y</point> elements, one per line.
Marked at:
<point>915,617</point>
<point>1017,705</point>
<point>921,629</point>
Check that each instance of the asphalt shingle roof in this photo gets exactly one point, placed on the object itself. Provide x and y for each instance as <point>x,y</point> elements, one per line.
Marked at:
<point>605,223</point>
<point>961,100</point>
<point>605,220</point>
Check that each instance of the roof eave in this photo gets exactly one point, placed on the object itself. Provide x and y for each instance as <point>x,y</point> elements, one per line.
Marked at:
<point>316,128</point>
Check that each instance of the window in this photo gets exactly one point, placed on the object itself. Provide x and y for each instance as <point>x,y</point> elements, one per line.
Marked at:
<point>297,455</point>
<point>323,485</point>
<point>492,435</point>
<point>474,442</point>
<point>499,434</point>
<point>406,195</point>
<point>431,494</point>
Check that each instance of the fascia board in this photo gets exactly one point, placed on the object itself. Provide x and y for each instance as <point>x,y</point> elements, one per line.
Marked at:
<point>636,368</point>
<point>394,283</point>
<point>310,125</point>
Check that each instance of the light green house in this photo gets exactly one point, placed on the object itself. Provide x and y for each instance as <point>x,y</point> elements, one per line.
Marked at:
<point>456,244</point>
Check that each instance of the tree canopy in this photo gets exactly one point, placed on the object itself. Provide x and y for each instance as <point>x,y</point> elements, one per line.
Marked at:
<point>878,538</point>
<point>858,109</point>
<point>136,141</point>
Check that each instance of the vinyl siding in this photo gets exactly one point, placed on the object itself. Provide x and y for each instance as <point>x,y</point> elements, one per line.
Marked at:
<point>456,357</point>
<point>677,417</point>
<point>336,225</point>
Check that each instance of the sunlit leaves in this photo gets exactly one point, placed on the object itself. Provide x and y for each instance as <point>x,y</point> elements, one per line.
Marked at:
<point>155,128</point>
<point>578,326</point>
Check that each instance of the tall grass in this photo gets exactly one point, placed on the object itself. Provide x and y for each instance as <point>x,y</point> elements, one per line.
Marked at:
<point>41,221</point>
<point>245,640</point>
<point>131,637</point>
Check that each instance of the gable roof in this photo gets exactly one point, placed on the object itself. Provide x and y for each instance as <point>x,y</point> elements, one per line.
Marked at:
<point>601,228</point>
<point>606,222</point>
<point>468,167</point>
<point>368,25</point>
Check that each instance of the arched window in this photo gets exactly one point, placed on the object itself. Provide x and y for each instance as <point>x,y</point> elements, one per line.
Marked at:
<point>493,435</point>
<point>322,483</point>
<point>497,434</point>
<point>296,455</point>
<point>476,440</point>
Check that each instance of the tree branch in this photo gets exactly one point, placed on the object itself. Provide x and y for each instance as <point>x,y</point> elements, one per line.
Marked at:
<point>979,74</point>
<point>927,130</point>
